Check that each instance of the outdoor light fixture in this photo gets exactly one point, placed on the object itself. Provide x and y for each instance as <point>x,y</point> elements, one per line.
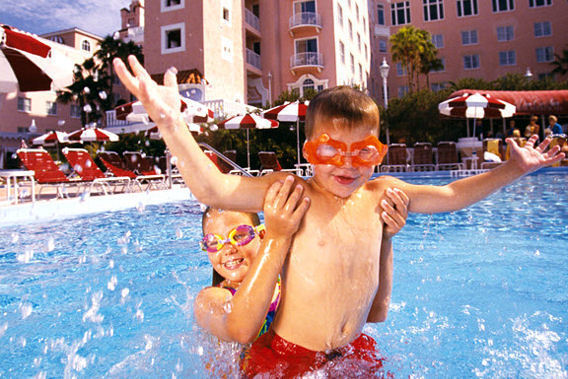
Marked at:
<point>528,73</point>
<point>384,68</point>
<point>32,128</point>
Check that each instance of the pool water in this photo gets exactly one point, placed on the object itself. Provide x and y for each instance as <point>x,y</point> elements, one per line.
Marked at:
<point>479,292</point>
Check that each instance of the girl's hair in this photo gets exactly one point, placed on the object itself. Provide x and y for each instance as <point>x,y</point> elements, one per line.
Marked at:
<point>217,278</point>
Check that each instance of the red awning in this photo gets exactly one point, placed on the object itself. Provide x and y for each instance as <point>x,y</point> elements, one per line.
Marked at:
<point>529,102</point>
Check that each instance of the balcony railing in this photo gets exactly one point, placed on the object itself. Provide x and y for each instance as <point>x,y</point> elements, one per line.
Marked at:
<point>111,119</point>
<point>306,59</point>
<point>252,20</point>
<point>253,59</point>
<point>305,19</point>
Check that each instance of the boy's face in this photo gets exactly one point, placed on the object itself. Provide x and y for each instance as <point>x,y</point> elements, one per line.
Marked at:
<point>342,181</point>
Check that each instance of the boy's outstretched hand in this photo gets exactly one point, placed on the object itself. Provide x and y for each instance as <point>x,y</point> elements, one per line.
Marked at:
<point>395,211</point>
<point>284,208</point>
<point>529,158</point>
<point>162,103</point>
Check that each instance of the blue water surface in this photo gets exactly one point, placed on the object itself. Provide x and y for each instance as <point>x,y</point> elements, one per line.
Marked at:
<point>479,292</point>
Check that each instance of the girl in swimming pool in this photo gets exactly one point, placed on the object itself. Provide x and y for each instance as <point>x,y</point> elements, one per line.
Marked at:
<point>247,258</point>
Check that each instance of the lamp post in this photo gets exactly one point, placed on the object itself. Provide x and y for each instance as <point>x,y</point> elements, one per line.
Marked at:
<point>270,88</point>
<point>384,69</point>
<point>528,73</point>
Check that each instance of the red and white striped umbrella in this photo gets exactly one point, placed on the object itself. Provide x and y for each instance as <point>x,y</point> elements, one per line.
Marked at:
<point>154,133</point>
<point>476,105</point>
<point>289,112</point>
<point>50,138</point>
<point>28,64</point>
<point>91,135</point>
<point>248,121</point>
<point>191,109</point>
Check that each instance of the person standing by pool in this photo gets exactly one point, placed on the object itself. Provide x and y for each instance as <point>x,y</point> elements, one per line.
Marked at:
<point>554,125</point>
<point>331,279</point>
<point>248,284</point>
<point>532,128</point>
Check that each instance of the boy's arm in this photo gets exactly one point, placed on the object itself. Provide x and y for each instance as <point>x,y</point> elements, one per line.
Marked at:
<point>394,215</point>
<point>462,193</point>
<point>283,212</point>
<point>202,177</point>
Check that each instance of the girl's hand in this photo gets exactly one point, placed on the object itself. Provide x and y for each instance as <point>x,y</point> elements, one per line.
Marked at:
<point>284,208</point>
<point>162,103</point>
<point>529,159</point>
<point>395,211</point>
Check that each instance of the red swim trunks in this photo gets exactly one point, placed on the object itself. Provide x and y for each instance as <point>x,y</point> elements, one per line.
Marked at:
<point>272,356</point>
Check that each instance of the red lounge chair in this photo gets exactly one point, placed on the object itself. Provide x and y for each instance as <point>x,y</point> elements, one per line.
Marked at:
<point>141,165</point>
<point>112,162</point>
<point>86,168</point>
<point>269,163</point>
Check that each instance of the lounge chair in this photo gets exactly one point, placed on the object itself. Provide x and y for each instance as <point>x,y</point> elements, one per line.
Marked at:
<point>140,164</point>
<point>423,159</point>
<point>224,166</point>
<point>492,153</point>
<point>396,158</point>
<point>559,140</point>
<point>85,167</point>
<point>111,160</point>
<point>269,163</point>
<point>448,156</point>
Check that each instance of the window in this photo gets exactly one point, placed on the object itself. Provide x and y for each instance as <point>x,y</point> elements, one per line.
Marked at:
<point>308,84</point>
<point>351,30</point>
<point>342,52</point>
<point>380,14</point>
<point>400,70</point>
<point>361,73</point>
<point>305,7</point>
<point>443,66</point>
<point>51,108</point>
<point>438,40</point>
<point>539,3</point>
<point>544,54</point>
<point>402,90</point>
<point>503,5</point>
<point>24,104</point>
<point>542,29</point>
<point>366,52</point>
<point>469,37</point>
<point>471,62</point>
<point>171,5</point>
<point>226,15</point>
<point>352,64</point>
<point>75,111</point>
<point>437,87</point>
<point>507,58</point>
<point>357,12</point>
<point>359,41</point>
<point>307,45</point>
<point>400,13</point>
<point>467,8</point>
<point>505,33</point>
<point>340,14</point>
<point>86,45</point>
<point>382,46</point>
<point>433,10</point>
<point>173,38</point>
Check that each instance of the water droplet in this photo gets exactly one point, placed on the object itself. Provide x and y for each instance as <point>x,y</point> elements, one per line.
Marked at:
<point>134,157</point>
<point>60,122</point>
<point>124,292</point>
<point>87,108</point>
<point>179,233</point>
<point>50,244</point>
<point>140,207</point>
<point>115,36</point>
<point>174,160</point>
<point>200,350</point>
<point>78,168</point>
<point>111,285</point>
<point>157,170</point>
<point>147,143</point>
<point>26,256</point>
<point>84,196</point>
<point>103,95</point>
<point>111,263</point>
<point>87,90</point>
<point>14,156</point>
<point>15,237</point>
<point>26,310</point>
<point>3,329</point>
<point>124,250</point>
<point>143,155</point>
<point>139,315</point>
<point>162,115</point>
<point>88,164</point>
<point>228,307</point>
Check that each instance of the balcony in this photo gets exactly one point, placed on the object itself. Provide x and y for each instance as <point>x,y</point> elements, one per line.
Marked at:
<point>252,22</point>
<point>304,21</point>
<point>253,59</point>
<point>306,62</point>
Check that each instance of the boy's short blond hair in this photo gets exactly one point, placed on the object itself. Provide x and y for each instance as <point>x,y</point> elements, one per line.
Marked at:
<point>343,102</point>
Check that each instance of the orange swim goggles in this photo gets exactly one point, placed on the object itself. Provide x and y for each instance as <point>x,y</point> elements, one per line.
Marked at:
<point>325,150</point>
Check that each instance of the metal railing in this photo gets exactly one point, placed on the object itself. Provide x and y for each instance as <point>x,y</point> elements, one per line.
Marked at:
<point>305,18</point>
<point>306,59</point>
<point>225,159</point>
<point>252,20</point>
<point>253,59</point>
<point>111,119</point>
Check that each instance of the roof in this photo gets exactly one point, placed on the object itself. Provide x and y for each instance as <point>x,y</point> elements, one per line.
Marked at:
<point>529,102</point>
<point>193,76</point>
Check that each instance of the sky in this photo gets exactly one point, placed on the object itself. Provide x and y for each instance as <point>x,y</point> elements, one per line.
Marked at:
<point>100,17</point>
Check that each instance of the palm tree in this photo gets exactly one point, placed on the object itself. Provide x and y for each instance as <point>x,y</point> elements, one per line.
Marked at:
<point>561,63</point>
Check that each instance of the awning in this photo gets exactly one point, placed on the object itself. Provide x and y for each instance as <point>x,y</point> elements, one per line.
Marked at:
<point>192,76</point>
<point>529,102</point>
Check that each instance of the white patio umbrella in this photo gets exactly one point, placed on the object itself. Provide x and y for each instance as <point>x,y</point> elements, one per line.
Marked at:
<point>192,112</point>
<point>92,135</point>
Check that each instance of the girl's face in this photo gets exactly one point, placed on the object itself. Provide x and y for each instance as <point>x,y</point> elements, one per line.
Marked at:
<point>231,262</point>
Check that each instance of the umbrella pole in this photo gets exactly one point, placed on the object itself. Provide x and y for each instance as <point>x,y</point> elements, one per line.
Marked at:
<point>298,140</point>
<point>57,148</point>
<point>248,149</point>
<point>504,127</point>
<point>467,125</point>
<point>169,168</point>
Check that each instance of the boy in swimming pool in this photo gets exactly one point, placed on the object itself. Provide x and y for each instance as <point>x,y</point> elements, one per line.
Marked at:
<point>331,276</point>
<point>246,283</point>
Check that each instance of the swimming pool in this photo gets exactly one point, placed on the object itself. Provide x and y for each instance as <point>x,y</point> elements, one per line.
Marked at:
<point>480,292</point>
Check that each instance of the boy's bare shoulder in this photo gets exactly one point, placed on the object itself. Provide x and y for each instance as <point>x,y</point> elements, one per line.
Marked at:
<point>382,182</point>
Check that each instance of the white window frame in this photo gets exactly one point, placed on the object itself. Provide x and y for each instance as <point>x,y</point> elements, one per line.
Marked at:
<point>495,6</point>
<point>461,8</point>
<point>470,57</point>
<point>350,30</point>
<point>340,14</point>
<point>382,41</point>
<point>426,8</point>
<point>544,49</point>
<point>342,52</point>
<point>352,64</point>
<point>26,104</point>
<point>507,58</point>
<point>165,8</point>
<point>359,42</point>
<point>164,38</point>
<point>405,8</point>
<point>51,108</point>
<point>438,41</point>
<point>468,40</point>
<point>503,34</point>
<point>357,11</point>
<point>298,84</point>
<point>86,45</point>
<point>533,3</point>
<point>306,39</point>
<point>381,10</point>
<point>541,26</point>
<point>77,113</point>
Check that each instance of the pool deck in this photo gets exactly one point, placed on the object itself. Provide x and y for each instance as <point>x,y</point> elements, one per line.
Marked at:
<point>55,209</point>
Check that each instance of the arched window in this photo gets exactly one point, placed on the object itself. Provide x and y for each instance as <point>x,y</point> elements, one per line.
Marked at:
<point>86,45</point>
<point>308,84</point>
